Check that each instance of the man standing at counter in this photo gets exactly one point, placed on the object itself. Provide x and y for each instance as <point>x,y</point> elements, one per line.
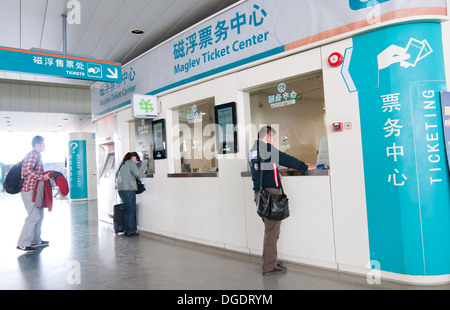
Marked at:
<point>265,156</point>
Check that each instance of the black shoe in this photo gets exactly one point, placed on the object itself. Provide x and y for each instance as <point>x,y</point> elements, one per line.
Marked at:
<point>134,234</point>
<point>277,270</point>
<point>26,248</point>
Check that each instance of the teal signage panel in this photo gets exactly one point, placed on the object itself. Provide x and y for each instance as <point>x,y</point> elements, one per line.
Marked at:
<point>398,73</point>
<point>26,61</point>
<point>2,168</point>
<point>78,170</point>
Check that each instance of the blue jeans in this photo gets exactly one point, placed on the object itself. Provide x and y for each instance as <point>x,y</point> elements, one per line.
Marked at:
<point>129,204</point>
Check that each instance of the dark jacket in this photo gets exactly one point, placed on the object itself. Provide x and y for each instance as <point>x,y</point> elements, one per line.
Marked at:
<point>270,158</point>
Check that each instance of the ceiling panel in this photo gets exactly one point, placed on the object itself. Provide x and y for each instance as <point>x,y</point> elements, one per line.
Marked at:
<point>31,22</point>
<point>120,28</point>
<point>76,32</point>
<point>106,13</point>
<point>51,29</point>
<point>10,25</point>
<point>153,22</point>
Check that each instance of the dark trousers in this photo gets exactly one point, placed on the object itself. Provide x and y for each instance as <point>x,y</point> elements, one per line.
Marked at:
<point>129,214</point>
<point>271,235</point>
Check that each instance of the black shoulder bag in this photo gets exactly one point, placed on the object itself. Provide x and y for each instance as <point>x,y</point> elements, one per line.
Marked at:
<point>272,206</point>
<point>141,186</point>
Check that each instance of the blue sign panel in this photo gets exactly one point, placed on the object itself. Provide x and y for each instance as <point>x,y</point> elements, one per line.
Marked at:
<point>14,59</point>
<point>2,166</point>
<point>398,73</point>
<point>78,170</point>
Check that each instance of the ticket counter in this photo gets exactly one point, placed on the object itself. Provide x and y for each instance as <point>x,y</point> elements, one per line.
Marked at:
<point>202,195</point>
<point>339,97</point>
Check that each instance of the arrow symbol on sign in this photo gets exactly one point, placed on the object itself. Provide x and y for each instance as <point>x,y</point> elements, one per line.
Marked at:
<point>112,75</point>
<point>345,70</point>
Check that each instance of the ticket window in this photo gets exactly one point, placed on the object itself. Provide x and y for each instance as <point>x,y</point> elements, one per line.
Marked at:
<point>144,146</point>
<point>194,138</point>
<point>295,108</point>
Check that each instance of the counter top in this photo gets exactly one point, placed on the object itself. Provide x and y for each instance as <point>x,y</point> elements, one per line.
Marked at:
<point>244,174</point>
<point>289,173</point>
<point>193,175</point>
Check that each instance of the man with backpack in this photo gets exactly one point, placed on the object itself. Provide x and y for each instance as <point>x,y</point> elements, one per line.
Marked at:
<point>32,170</point>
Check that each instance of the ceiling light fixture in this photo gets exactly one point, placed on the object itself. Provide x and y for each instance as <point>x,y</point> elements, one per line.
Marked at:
<point>137,31</point>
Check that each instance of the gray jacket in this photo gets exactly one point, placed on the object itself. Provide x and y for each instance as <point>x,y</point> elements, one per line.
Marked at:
<point>126,176</point>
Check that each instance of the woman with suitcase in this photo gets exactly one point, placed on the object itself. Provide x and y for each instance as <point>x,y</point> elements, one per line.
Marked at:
<point>126,183</point>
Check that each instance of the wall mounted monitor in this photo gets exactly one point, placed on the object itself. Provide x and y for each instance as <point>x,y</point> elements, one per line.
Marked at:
<point>159,139</point>
<point>226,133</point>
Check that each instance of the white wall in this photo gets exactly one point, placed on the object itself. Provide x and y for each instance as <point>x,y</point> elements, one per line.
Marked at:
<point>347,173</point>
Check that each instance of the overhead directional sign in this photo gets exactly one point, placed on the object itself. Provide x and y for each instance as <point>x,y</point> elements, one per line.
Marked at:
<point>36,62</point>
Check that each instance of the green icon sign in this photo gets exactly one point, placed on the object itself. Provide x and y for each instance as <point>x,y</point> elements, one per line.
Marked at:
<point>144,106</point>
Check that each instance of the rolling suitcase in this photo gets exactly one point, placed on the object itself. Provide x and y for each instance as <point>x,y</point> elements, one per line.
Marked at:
<point>118,218</point>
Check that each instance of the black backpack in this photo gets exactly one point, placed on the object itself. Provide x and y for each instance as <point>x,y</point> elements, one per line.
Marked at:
<point>13,181</point>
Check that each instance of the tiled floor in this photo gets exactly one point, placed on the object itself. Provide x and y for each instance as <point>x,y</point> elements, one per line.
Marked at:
<point>86,254</point>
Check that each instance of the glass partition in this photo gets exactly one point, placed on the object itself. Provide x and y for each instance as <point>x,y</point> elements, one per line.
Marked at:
<point>295,108</point>
<point>144,146</point>
<point>194,138</point>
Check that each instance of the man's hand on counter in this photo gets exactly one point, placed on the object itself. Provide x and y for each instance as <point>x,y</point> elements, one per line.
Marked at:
<point>312,167</point>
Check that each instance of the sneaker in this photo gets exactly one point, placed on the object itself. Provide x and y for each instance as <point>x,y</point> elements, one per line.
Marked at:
<point>277,270</point>
<point>26,248</point>
<point>41,244</point>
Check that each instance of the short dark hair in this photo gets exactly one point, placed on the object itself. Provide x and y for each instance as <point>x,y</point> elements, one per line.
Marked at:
<point>37,140</point>
<point>264,131</point>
